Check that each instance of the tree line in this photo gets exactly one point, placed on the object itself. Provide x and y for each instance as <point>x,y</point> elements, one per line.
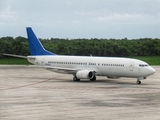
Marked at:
<point>85,47</point>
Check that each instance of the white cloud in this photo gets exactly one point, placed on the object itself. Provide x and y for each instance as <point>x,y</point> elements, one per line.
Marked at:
<point>7,15</point>
<point>130,18</point>
<point>10,17</point>
<point>85,13</point>
<point>81,18</point>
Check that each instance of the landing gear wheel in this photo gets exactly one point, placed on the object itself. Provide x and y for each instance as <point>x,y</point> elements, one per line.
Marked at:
<point>138,82</point>
<point>76,79</point>
<point>93,79</point>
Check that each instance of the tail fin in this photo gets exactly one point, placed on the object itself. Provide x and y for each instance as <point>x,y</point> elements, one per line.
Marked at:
<point>35,45</point>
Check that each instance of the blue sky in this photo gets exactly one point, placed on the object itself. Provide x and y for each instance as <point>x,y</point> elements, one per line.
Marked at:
<point>81,18</point>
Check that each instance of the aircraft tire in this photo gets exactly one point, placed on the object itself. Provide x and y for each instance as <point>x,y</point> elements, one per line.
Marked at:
<point>138,82</point>
<point>93,79</point>
<point>75,79</point>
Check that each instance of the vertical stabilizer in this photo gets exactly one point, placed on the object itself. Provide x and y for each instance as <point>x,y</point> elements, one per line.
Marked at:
<point>36,48</point>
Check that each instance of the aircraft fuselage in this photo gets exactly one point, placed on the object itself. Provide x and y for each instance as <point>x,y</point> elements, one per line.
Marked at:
<point>113,67</point>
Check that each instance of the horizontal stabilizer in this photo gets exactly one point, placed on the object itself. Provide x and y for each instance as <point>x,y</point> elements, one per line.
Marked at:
<point>19,56</point>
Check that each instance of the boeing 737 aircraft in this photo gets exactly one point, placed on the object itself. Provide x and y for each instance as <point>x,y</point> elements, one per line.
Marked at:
<point>85,67</point>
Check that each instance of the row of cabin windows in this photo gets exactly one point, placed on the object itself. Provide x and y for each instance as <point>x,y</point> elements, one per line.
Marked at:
<point>120,65</point>
<point>75,63</point>
<point>92,64</point>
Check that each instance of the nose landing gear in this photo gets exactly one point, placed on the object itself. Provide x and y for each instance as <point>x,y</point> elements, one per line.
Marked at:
<point>140,78</point>
<point>138,81</point>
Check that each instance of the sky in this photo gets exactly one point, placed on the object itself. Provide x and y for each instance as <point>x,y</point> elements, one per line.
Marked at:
<point>73,19</point>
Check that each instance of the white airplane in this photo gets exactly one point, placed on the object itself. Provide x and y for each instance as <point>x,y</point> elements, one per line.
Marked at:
<point>85,67</point>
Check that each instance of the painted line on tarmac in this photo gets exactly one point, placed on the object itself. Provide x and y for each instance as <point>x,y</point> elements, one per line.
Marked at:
<point>23,86</point>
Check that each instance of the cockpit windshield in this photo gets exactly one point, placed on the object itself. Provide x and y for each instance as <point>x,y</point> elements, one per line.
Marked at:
<point>143,65</point>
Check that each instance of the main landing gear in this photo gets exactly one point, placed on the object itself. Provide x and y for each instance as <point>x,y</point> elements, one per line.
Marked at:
<point>93,79</point>
<point>76,79</point>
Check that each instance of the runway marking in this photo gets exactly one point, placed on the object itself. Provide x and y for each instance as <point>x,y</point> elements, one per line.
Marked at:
<point>16,87</point>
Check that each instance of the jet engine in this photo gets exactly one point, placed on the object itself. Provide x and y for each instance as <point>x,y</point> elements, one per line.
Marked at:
<point>85,74</point>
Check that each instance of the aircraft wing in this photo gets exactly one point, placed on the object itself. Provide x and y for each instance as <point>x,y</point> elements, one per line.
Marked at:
<point>63,70</point>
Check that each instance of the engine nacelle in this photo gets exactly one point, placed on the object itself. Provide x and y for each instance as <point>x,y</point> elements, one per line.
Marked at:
<point>85,74</point>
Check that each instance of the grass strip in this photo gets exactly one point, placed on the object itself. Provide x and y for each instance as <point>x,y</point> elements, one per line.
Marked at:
<point>12,61</point>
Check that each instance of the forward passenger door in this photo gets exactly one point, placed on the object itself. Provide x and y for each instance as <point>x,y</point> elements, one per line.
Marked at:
<point>131,66</point>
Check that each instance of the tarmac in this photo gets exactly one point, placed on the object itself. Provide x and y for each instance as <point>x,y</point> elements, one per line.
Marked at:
<point>33,93</point>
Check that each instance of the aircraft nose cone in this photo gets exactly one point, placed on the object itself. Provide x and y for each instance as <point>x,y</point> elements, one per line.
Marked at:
<point>152,70</point>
